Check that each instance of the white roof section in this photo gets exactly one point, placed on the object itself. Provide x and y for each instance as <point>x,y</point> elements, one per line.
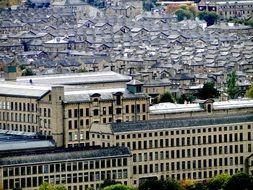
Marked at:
<point>99,91</point>
<point>163,108</point>
<point>174,2</point>
<point>29,90</point>
<point>57,40</point>
<point>233,104</point>
<point>232,2</point>
<point>76,78</point>
<point>101,128</point>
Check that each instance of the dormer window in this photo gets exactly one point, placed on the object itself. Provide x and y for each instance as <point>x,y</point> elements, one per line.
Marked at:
<point>135,86</point>
<point>138,89</point>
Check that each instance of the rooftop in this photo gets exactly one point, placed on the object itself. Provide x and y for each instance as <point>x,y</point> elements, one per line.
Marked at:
<point>163,108</point>
<point>178,123</point>
<point>65,154</point>
<point>105,94</point>
<point>14,89</point>
<point>174,108</point>
<point>233,104</point>
<point>76,78</point>
<point>16,140</point>
<point>37,86</point>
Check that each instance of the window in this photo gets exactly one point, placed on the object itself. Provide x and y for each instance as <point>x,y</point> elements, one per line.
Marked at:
<point>134,145</point>
<point>138,109</point>
<point>110,110</point>
<point>75,112</point>
<point>241,136</point>
<point>225,138</point>
<point>118,110</point>
<point>127,108</point>
<point>132,108</point>
<point>143,108</point>
<point>87,112</point>
<point>45,112</point>
<point>150,156</point>
<point>118,100</point>
<point>70,124</point>
<point>209,108</point>
<point>81,112</point>
<point>95,112</point>
<point>138,88</point>
<point>69,113</point>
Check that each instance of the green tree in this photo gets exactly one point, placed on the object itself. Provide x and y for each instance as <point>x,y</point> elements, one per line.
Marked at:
<point>185,97</point>
<point>152,185</point>
<point>218,182</point>
<point>22,67</point>
<point>109,182</point>
<point>232,88</point>
<point>47,186</point>
<point>148,4</point>
<point>239,181</point>
<point>27,72</point>
<point>249,22</point>
<point>208,91</point>
<point>169,184</point>
<point>249,92</point>
<point>172,184</point>
<point>167,97</point>
<point>82,70</point>
<point>119,187</point>
<point>209,16</point>
<point>183,14</point>
<point>200,186</point>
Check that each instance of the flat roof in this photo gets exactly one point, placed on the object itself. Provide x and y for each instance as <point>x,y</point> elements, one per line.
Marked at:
<point>65,155</point>
<point>231,2</point>
<point>15,141</point>
<point>178,123</point>
<point>167,107</point>
<point>163,108</point>
<point>75,78</point>
<point>233,104</point>
<point>22,90</point>
<point>174,2</point>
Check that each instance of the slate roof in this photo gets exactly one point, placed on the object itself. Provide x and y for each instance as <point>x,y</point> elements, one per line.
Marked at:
<point>178,123</point>
<point>66,155</point>
<point>105,94</point>
<point>220,51</point>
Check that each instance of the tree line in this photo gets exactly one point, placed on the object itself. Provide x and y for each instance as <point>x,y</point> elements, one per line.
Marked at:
<point>209,90</point>
<point>238,181</point>
<point>190,12</point>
